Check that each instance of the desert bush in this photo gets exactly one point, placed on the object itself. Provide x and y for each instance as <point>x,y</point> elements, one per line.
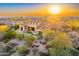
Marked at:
<point>16,26</point>
<point>29,38</point>
<point>10,34</point>
<point>19,36</point>
<point>6,40</point>
<point>60,45</point>
<point>49,34</point>
<point>75,52</point>
<point>3,28</point>
<point>74,24</point>
<point>2,36</point>
<point>8,48</point>
<point>22,49</point>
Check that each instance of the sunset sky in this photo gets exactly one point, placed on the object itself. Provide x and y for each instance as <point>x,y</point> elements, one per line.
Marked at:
<point>39,9</point>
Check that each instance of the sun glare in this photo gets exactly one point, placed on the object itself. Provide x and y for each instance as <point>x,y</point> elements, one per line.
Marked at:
<point>55,9</point>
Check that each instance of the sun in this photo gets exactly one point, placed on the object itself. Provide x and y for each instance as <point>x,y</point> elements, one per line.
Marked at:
<point>55,9</point>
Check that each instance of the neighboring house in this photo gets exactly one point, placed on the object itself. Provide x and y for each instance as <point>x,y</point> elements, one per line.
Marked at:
<point>31,27</point>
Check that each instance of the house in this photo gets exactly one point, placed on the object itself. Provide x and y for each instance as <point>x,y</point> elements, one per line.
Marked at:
<point>31,27</point>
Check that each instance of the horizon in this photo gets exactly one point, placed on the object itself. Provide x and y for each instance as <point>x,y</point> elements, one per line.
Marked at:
<point>37,9</point>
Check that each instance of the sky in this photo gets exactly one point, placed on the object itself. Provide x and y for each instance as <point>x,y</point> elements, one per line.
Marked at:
<point>36,9</point>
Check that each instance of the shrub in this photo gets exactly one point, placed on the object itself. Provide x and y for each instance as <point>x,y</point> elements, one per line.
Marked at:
<point>29,38</point>
<point>6,40</point>
<point>10,34</point>
<point>74,24</point>
<point>61,44</point>
<point>22,49</point>
<point>19,36</point>
<point>16,26</point>
<point>49,34</point>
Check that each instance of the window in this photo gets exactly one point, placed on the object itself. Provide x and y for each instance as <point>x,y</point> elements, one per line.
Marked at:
<point>33,29</point>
